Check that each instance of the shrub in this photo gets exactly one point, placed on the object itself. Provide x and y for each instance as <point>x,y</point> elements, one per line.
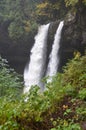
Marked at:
<point>60,107</point>
<point>75,71</point>
<point>9,80</point>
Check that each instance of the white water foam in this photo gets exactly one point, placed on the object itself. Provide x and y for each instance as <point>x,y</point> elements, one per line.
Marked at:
<point>35,70</point>
<point>54,57</point>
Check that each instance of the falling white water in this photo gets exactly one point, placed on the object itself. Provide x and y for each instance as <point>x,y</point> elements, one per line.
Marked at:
<point>35,70</point>
<point>54,58</point>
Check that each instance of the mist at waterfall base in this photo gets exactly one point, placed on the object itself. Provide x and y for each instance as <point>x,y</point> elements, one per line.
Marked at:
<point>35,70</point>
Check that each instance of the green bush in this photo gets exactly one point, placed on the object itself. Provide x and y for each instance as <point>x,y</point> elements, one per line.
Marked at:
<point>75,71</point>
<point>82,94</point>
<point>57,105</point>
<point>9,80</point>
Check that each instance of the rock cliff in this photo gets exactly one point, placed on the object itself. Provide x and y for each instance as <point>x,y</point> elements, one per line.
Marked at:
<point>73,39</point>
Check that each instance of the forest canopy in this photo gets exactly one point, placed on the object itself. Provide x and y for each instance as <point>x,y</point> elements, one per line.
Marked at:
<point>23,16</point>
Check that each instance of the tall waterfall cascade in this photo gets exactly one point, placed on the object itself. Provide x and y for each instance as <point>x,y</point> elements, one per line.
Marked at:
<point>34,72</point>
<point>54,57</point>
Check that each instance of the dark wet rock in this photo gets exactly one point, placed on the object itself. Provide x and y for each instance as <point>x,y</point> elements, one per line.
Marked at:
<point>73,39</point>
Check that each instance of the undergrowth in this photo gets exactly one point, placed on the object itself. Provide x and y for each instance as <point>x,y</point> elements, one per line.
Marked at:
<point>62,106</point>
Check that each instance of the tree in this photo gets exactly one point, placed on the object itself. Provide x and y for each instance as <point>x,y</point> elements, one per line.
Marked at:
<point>51,10</point>
<point>21,14</point>
<point>9,80</point>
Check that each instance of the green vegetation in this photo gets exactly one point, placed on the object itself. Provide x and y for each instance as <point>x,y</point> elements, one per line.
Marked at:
<point>20,15</point>
<point>9,80</point>
<point>61,107</point>
<point>24,16</point>
<point>55,9</point>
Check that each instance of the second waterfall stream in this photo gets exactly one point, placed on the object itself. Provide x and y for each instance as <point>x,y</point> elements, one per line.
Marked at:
<point>35,70</point>
<point>54,57</point>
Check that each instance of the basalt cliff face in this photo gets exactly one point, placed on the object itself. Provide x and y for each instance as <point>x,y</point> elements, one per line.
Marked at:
<point>15,51</point>
<point>73,39</point>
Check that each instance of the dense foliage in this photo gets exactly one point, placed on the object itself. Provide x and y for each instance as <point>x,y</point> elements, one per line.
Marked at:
<point>55,9</point>
<point>23,16</point>
<point>62,106</point>
<point>10,81</point>
<point>20,14</point>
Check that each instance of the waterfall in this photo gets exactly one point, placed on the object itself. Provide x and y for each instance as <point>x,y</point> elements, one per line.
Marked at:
<point>35,70</point>
<point>54,58</point>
